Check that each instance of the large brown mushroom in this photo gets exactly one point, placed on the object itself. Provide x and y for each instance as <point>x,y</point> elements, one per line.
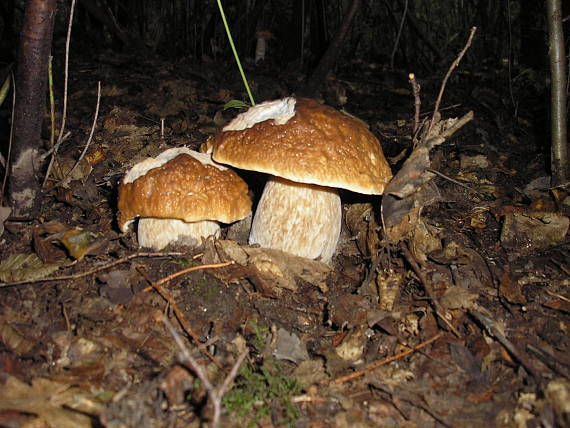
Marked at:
<point>310,150</point>
<point>180,196</point>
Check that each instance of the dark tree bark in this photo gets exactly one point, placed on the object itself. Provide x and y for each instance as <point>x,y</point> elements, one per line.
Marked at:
<point>31,75</point>
<point>559,152</point>
<point>331,54</point>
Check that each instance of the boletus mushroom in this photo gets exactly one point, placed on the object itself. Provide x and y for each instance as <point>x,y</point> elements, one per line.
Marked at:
<point>180,196</point>
<point>309,150</point>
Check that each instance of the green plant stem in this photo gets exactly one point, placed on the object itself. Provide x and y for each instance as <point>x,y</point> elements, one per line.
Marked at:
<point>236,56</point>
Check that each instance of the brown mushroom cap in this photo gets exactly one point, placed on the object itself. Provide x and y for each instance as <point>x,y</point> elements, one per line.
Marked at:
<point>185,185</point>
<point>314,144</point>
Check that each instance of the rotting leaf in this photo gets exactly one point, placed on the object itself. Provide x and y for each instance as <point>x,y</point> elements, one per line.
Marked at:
<point>310,372</point>
<point>25,267</point>
<point>273,269</point>
<point>79,242</point>
<point>400,216</point>
<point>361,222</point>
<point>409,191</point>
<point>457,298</point>
<point>510,290</point>
<point>289,347</point>
<point>13,339</point>
<point>531,230</point>
<point>44,245</point>
<point>423,241</point>
<point>348,310</point>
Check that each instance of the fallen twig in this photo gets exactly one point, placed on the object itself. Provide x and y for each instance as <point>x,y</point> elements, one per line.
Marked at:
<point>452,67</point>
<point>94,270</point>
<point>490,326</point>
<point>384,361</point>
<point>179,314</point>
<point>459,183</point>
<point>82,155</point>
<point>439,311</point>
<point>410,399</point>
<point>417,102</point>
<point>7,166</point>
<point>215,394</point>
<point>192,269</point>
<point>65,87</point>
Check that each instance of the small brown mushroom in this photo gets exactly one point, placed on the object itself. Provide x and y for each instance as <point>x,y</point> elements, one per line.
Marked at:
<point>310,150</point>
<point>180,196</point>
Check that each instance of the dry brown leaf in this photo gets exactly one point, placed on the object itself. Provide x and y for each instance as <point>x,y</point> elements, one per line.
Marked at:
<point>510,290</point>
<point>532,230</point>
<point>49,400</point>
<point>361,222</point>
<point>13,339</point>
<point>25,267</point>
<point>273,270</point>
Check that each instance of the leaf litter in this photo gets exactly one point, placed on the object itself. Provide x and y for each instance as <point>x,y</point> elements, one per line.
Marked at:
<point>448,306</point>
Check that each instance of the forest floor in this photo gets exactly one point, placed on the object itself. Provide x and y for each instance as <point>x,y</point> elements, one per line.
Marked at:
<point>462,323</point>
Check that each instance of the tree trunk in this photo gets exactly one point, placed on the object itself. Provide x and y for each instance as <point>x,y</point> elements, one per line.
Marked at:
<point>31,75</point>
<point>559,152</point>
<point>331,54</point>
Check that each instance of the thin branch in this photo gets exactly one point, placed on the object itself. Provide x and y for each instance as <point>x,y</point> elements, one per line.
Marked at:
<point>65,84</point>
<point>7,168</point>
<point>94,270</point>
<point>215,394</point>
<point>439,311</point>
<point>66,68</point>
<point>459,183</point>
<point>385,361</point>
<point>88,140</point>
<point>180,315</point>
<point>490,326</point>
<point>417,101</point>
<point>192,269</point>
<point>452,67</point>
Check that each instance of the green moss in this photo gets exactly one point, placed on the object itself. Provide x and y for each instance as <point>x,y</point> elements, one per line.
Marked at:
<point>263,391</point>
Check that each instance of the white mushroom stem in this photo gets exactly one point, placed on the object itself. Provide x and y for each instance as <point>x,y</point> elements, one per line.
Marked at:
<point>158,233</point>
<point>301,219</point>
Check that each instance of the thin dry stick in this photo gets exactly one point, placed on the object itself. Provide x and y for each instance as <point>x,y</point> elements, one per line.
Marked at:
<point>66,68</point>
<point>65,82</point>
<point>417,101</point>
<point>215,394</point>
<point>560,296</point>
<point>492,329</point>
<point>387,360</point>
<point>429,291</point>
<point>459,183</point>
<point>90,135</point>
<point>192,269</point>
<point>414,401</point>
<point>7,168</point>
<point>452,67</point>
<point>180,315</point>
<point>92,271</point>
